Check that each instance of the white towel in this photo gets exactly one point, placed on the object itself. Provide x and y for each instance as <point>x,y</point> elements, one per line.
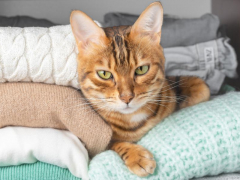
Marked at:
<point>27,145</point>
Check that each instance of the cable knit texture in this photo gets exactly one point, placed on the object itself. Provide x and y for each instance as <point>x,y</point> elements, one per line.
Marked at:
<point>194,142</point>
<point>39,55</point>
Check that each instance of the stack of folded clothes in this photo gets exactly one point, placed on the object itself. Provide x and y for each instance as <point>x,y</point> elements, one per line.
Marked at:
<point>191,46</point>
<point>209,132</point>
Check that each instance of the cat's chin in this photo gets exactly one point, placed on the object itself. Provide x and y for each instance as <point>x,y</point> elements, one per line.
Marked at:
<point>127,110</point>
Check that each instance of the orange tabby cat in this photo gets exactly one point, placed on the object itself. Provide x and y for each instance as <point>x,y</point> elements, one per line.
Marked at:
<point>121,73</point>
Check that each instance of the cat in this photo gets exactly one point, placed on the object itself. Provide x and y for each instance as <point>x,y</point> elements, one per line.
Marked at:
<point>121,73</point>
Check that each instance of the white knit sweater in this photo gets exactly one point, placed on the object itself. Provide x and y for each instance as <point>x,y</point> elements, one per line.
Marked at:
<point>45,55</point>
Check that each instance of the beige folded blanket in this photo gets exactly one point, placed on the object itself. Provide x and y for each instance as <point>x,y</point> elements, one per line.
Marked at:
<point>52,106</point>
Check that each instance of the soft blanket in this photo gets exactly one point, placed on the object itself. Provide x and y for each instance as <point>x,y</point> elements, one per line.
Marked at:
<point>194,142</point>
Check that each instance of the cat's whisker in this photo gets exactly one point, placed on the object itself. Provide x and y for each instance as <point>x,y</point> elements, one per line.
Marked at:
<point>171,98</point>
<point>148,92</point>
<point>79,105</point>
<point>149,108</point>
<point>93,103</point>
<point>174,82</point>
<point>173,87</point>
<point>180,83</point>
<point>160,97</point>
<point>168,87</point>
<point>98,108</point>
<point>161,105</point>
<point>166,101</point>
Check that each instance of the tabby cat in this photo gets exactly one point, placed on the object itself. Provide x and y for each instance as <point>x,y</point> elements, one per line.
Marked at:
<point>121,73</point>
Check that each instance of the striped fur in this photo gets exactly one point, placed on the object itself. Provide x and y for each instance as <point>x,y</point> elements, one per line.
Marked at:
<point>120,50</point>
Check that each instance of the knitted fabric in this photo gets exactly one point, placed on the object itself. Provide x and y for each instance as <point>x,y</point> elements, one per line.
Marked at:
<point>36,171</point>
<point>39,55</point>
<point>232,176</point>
<point>194,142</point>
<point>38,105</point>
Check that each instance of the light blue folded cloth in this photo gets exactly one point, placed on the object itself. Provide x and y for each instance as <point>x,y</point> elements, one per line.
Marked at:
<point>194,142</point>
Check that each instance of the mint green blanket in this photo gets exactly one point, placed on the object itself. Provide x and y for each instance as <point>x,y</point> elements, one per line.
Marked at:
<point>35,171</point>
<point>194,142</point>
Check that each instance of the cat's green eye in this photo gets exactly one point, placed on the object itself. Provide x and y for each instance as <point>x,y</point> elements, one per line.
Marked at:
<point>104,74</point>
<point>141,70</point>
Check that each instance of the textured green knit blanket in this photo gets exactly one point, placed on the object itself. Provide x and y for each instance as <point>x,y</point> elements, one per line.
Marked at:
<point>194,142</point>
<point>35,171</point>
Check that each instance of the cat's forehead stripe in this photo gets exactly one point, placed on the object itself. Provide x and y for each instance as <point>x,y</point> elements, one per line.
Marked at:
<point>120,49</point>
<point>121,52</point>
<point>117,30</point>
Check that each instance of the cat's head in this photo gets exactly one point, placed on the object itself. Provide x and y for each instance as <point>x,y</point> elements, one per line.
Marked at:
<point>121,68</point>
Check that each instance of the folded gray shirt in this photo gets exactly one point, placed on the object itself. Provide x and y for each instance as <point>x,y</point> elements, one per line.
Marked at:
<point>175,31</point>
<point>212,61</point>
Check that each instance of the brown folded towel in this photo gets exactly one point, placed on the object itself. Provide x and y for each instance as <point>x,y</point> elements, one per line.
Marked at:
<point>52,106</point>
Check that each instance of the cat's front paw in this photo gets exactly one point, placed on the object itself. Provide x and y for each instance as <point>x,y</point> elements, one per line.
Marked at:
<point>139,161</point>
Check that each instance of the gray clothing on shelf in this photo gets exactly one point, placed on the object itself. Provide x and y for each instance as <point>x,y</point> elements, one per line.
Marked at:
<point>175,31</point>
<point>212,61</point>
<point>24,21</point>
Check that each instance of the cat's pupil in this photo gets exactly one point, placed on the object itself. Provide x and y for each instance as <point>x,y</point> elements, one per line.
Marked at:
<point>140,68</point>
<point>104,73</point>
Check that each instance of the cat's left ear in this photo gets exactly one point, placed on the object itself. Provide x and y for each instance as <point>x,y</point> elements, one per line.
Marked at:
<point>85,30</point>
<point>149,22</point>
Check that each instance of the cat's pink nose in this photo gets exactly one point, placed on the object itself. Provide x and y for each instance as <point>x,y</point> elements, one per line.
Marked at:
<point>126,97</point>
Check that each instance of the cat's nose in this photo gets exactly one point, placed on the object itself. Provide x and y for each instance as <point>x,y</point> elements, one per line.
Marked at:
<point>126,97</point>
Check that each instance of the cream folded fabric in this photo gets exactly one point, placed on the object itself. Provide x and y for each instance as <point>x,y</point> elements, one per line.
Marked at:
<point>27,145</point>
<point>50,106</point>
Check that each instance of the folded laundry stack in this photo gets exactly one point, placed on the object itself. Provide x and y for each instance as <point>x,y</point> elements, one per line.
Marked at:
<point>43,61</point>
<point>42,107</point>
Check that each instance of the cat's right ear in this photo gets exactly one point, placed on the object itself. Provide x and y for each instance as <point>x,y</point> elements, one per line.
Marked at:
<point>85,30</point>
